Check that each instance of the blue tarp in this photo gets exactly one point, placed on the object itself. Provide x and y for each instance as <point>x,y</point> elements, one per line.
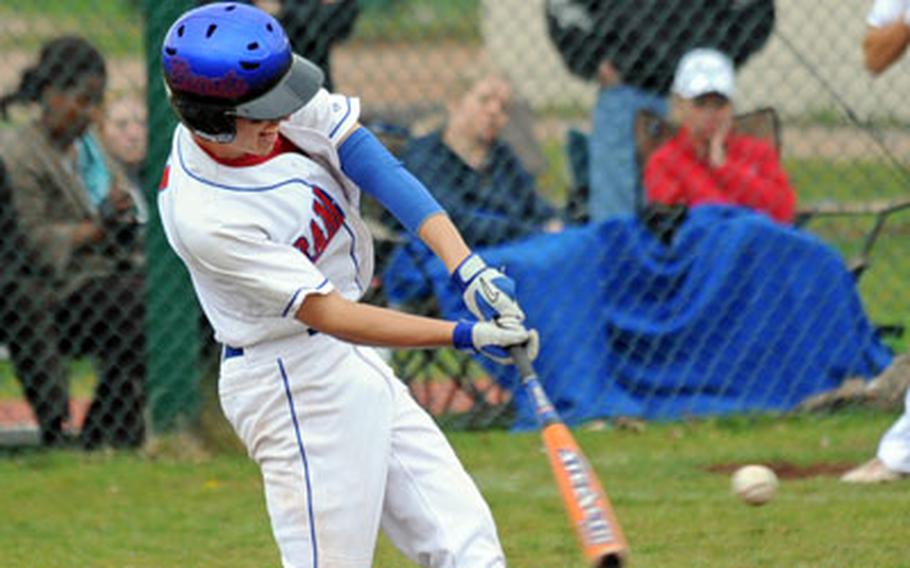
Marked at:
<point>738,314</point>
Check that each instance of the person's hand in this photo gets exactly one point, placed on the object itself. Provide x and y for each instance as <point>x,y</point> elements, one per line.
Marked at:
<point>87,232</point>
<point>494,339</point>
<point>117,208</point>
<point>120,199</point>
<point>717,145</point>
<point>488,293</point>
<point>553,226</point>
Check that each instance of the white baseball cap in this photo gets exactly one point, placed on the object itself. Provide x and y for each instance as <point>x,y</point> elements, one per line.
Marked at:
<point>703,71</point>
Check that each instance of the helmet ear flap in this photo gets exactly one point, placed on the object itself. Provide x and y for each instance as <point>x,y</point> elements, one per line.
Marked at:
<point>212,122</point>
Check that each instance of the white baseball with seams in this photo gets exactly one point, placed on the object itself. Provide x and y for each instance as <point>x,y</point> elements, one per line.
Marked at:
<point>754,484</point>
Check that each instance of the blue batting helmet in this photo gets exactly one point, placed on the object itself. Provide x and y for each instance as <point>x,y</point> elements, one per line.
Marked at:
<point>227,60</point>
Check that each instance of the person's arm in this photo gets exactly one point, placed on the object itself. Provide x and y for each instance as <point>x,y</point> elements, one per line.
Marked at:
<point>440,234</point>
<point>381,175</point>
<point>85,233</point>
<point>269,279</point>
<point>53,242</point>
<point>364,324</point>
<point>487,292</point>
<point>370,325</point>
<point>882,46</point>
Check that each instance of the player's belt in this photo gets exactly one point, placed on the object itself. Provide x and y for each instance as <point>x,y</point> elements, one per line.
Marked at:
<point>231,352</point>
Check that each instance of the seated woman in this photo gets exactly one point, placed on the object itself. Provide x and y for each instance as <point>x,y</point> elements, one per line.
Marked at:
<point>475,176</point>
<point>707,163</point>
<point>82,288</point>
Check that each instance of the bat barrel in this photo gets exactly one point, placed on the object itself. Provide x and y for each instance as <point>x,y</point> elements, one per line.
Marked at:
<point>586,502</point>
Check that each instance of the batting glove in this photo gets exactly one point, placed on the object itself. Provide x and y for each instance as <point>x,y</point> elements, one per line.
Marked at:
<point>487,292</point>
<point>494,340</point>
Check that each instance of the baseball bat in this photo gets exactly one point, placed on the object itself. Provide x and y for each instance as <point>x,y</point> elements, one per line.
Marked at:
<point>590,512</point>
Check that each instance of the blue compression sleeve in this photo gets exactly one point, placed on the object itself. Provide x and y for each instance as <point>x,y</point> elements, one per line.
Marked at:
<point>372,167</point>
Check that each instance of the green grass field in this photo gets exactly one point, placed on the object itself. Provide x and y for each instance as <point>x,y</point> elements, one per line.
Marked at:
<point>174,508</point>
<point>883,287</point>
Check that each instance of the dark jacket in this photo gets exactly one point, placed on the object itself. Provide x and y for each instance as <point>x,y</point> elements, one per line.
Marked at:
<point>49,202</point>
<point>489,206</point>
<point>644,39</point>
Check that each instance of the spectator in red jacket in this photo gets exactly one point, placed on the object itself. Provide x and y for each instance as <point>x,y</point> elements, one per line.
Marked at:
<point>706,163</point>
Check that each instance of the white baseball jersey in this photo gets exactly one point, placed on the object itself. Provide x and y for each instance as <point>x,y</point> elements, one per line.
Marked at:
<point>886,12</point>
<point>259,239</point>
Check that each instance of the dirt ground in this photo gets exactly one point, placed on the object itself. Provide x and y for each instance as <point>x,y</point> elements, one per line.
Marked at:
<point>16,416</point>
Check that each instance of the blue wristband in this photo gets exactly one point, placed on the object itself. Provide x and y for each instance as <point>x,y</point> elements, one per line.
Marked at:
<point>462,336</point>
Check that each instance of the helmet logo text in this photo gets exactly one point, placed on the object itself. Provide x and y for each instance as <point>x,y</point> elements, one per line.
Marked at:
<point>182,78</point>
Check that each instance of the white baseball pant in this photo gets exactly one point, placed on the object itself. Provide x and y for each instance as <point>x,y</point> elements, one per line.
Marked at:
<point>894,448</point>
<point>344,450</point>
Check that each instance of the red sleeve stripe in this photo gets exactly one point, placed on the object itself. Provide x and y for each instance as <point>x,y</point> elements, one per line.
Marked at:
<point>165,176</point>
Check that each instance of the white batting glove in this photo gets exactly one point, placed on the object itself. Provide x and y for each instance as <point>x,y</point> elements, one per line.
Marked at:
<point>494,340</point>
<point>487,292</point>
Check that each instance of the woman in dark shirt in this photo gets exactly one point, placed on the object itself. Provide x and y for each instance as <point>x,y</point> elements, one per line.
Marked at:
<point>475,176</point>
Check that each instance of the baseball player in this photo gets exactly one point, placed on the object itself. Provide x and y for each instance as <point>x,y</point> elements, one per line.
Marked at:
<point>260,201</point>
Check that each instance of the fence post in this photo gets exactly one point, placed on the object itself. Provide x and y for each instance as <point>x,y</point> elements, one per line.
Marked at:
<point>172,314</point>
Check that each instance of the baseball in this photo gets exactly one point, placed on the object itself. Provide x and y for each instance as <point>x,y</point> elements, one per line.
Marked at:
<point>754,484</point>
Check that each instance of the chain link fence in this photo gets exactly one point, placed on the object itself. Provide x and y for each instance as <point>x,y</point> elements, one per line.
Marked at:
<point>648,311</point>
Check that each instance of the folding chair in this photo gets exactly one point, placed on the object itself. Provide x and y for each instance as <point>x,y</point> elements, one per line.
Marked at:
<point>881,209</point>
